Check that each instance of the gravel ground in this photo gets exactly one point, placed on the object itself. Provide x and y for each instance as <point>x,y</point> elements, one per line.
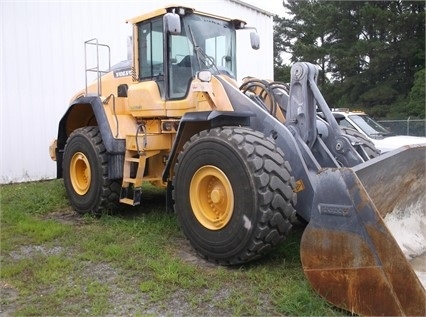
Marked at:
<point>127,301</point>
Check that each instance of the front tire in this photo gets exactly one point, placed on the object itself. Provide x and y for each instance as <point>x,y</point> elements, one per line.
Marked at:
<point>85,173</point>
<point>233,194</point>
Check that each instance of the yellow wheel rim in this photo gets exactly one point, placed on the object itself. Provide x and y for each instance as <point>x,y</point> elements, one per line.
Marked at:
<point>211,197</point>
<point>80,173</point>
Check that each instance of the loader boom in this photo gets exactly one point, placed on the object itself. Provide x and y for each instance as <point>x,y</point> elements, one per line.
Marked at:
<point>348,254</point>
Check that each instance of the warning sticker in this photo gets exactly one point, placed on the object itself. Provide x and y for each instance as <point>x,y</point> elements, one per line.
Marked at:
<point>299,186</point>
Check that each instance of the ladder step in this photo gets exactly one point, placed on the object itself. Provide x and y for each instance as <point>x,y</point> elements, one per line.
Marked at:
<point>130,196</point>
<point>130,180</point>
<point>132,159</point>
<point>129,201</point>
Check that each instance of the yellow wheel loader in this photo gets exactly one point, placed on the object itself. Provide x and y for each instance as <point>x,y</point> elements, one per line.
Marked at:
<point>233,163</point>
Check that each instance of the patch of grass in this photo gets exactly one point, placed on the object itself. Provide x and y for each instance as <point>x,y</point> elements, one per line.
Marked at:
<point>133,263</point>
<point>35,198</point>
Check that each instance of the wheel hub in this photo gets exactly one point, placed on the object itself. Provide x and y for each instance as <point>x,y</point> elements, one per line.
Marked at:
<point>80,173</point>
<point>211,197</point>
<point>217,196</point>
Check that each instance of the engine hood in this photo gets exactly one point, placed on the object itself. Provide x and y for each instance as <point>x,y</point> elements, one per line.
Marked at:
<point>393,142</point>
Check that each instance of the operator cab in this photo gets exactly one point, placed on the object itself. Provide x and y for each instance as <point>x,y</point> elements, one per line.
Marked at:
<point>175,43</point>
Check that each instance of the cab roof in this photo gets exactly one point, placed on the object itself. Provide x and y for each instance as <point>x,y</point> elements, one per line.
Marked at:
<point>181,10</point>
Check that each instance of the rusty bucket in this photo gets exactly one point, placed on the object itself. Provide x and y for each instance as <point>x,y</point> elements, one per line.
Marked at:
<point>360,248</point>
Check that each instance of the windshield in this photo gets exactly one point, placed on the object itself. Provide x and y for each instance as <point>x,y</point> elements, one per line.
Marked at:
<point>205,43</point>
<point>215,40</point>
<point>369,126</point>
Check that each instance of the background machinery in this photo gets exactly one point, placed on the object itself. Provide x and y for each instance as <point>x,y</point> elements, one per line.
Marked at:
<point>383,139</point>
<point>237,166</point>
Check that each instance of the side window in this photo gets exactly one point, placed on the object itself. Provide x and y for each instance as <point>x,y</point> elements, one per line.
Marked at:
<point>180,48</point>
<point>345,123</point>
<point>215,49</point>
<point>150,49</point>
<point>181,66</point>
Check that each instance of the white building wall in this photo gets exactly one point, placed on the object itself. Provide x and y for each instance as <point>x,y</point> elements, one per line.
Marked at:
<point>42,66</point>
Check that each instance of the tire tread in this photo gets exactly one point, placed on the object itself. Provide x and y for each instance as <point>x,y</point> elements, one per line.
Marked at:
<point>274,185</point>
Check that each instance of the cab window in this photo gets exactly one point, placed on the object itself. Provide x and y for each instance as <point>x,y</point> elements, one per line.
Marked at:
<point>150,49</point>
<point>181,65</point>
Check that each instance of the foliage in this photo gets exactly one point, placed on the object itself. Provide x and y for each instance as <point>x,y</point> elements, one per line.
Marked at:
<point>55,262</point>
<point>416,104</point>
<point>368,51</point>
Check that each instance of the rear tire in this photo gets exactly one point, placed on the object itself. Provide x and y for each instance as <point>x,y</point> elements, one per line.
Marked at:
<point>85,173</point>
<point>233,194</point>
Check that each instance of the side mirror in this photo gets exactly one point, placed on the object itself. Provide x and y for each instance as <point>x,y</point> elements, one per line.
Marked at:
<point>172,23</point>
<point>254,40</point>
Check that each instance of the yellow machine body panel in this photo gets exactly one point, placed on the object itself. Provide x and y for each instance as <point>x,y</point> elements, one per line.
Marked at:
<point>145,100</point>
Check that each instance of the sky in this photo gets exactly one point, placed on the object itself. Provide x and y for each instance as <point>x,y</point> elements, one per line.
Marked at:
<point>273,6</point>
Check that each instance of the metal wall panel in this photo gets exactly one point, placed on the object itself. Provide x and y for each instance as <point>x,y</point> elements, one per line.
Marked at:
<point>42,66</point>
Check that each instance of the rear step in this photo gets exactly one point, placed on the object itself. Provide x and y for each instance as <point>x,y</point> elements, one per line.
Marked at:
<point>131,188</point>
<point>135,167</point>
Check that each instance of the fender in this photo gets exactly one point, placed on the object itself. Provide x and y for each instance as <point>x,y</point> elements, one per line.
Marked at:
<point>88,111</point>
<point>194,122</point>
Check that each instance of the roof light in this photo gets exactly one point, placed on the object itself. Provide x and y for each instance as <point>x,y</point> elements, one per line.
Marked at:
<point>181,11</point>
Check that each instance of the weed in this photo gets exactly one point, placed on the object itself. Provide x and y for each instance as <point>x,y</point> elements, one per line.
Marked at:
<point>134,263</point>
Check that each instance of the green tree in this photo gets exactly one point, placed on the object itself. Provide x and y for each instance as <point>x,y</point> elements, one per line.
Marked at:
<point>368,51</point>
<point>416,104</point>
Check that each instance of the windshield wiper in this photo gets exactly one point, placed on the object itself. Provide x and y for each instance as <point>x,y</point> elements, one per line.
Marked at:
<point>202,57</point>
